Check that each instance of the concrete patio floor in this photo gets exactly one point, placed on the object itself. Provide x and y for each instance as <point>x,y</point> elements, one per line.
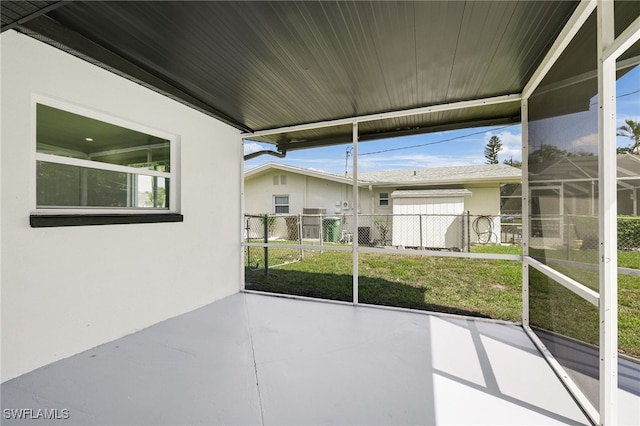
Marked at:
<point>255,359</point>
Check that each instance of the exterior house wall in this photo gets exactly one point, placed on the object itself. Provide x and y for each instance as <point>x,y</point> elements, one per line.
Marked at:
<point>485,201</point>
<point>303,191</point>
<point>315,192</point>
<point>67,289</point>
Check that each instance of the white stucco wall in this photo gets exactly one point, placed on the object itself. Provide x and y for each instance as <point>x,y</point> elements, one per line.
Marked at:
<point>303,191</point>
<point>68,289</point>
<point>484,201</point>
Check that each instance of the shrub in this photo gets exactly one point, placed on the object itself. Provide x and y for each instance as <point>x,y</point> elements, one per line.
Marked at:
<point>628,232</point>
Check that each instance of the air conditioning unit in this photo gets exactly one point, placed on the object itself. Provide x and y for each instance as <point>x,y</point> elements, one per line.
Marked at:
<point>345,205</point>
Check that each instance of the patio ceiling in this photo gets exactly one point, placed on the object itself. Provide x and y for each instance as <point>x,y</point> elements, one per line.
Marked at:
<point>266,65</point>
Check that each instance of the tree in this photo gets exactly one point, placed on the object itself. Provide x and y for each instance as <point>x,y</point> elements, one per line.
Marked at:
<point>631,130</point>
<point>513,163</point>
<point>491,150</point>
<point>160,198</point>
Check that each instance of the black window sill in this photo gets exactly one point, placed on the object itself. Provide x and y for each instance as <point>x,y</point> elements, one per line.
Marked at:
<point>47,221</point>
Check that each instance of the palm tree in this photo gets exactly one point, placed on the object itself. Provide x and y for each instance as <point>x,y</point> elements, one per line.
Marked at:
<point>631,130</point>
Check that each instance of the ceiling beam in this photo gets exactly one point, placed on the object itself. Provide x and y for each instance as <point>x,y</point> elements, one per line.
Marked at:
<point>368,137</point>
<point>388,115</point>
<point>580,15</point>
<point>624,40</point>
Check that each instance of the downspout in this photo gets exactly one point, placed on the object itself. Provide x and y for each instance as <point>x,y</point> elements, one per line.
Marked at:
<point>281,153</point>
<point>373,200</point>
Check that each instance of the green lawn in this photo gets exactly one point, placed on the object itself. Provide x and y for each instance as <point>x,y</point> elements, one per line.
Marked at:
<point>476,287</point>
<point>486,288</point>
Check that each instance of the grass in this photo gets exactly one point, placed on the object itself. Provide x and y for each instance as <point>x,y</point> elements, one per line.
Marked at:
<point>476,287</point>
<point>485,288</point>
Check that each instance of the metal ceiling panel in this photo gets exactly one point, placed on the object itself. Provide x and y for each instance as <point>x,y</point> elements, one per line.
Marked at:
<point>262,65</point>
<point>15,12</point>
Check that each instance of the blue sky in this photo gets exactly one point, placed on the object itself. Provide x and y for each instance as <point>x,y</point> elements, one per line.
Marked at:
<point>465,148</point>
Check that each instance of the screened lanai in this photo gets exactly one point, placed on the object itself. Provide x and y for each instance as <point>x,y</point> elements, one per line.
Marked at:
<point>299,75</point>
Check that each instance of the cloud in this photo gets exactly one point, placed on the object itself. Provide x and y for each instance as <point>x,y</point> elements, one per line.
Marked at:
<point>586,141</point>
<point>418,161</point>
<point>251,147</point>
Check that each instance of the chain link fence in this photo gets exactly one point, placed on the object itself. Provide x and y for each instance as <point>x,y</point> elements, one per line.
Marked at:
<point>582,232</point>
<point>400,231</point>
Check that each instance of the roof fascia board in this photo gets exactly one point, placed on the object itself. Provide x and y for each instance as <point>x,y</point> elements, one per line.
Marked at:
<point>285,168</point>
<point>506,179</point>
<point>388,115</point>
<point>420,193</point>
<point>367,137</point>
<point>580,15</point>
<point>105,58</point>
<point>623,41</point>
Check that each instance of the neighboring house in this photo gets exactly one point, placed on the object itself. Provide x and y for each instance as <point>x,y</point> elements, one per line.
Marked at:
<point>570,184</point>
<point>389,196</point>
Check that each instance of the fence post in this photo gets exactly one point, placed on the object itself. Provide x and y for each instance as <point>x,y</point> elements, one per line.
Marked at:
<point>266,241</point>
<point>321,231</point>
<point>468,231</point>
<point>300,235</point>
<point>420,219</point>
<point>247,238</point>
<point>462,226</point>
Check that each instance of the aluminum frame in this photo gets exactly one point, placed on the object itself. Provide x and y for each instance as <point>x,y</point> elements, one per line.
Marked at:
<point>608,51</point>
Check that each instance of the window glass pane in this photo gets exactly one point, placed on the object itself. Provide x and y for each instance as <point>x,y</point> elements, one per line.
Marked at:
<point>282,200</point>
<point>282,209</point>
<point>71,135</point>
<point>60,185</point>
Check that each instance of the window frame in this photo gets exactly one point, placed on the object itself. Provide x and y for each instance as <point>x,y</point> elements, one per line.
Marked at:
<point>387,199</point>
<point>276,205</point>
<point>173,175</point>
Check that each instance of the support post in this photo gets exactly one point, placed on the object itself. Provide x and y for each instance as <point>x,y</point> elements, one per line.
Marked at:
<point>607,213</point>
<point>244,236</point>
<point>356,200</point>
<point>524,108</point>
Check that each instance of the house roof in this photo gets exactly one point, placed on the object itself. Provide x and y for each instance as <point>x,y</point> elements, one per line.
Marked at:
<point>487,173</point>
<point>271,166</point>
<point>260,65</point>
<point>501,173</point>
<point>575,169</point>
<point>430,193</point>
